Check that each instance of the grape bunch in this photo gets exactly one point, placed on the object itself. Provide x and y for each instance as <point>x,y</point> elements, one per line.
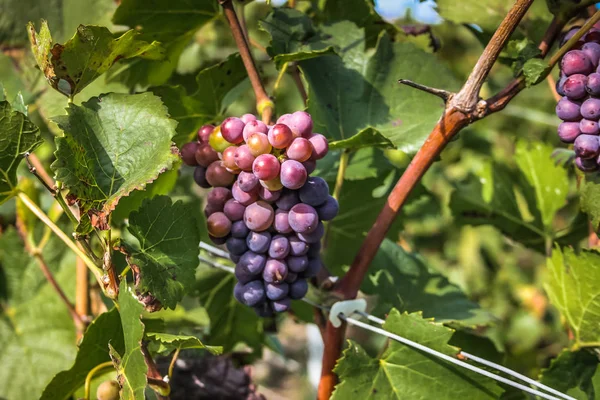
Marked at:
<point>264,206</point>
<point>579,108</point>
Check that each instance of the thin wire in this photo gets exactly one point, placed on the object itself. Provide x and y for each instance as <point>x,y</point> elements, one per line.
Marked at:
<point>215,250</point>
<point>408,342</point>
<point>443,356</point>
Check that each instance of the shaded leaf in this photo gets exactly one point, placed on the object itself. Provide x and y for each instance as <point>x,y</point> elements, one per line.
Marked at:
<point>572,287</point>
<point>518,52</point>
<point>573,373</point>
<point>112,145</point>
<point>364,163</point>
<point>91,52</point>
<point>589,190</point>
<point>406,373</point>
<point>170,342</point>
<point>368,137</point>
<point>93,351</point>
<point>535,70</point>
<point>167,253</point>
<point>231,323</point>
<point>18,135</point>
<point>403,281</point>
<point>131,366</point>
<point>206,105</point>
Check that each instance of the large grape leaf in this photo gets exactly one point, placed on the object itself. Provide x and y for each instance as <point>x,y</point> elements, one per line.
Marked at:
<point>166,255</point>
<point>231,323</point>
<point>131,366</point>
<point>572,286</point>
<point>37,332</point>
<point>112,145</point>
<point>91,52</point>
<point>206,105</point>
<point>169,342</point>
<point>589,189</point>
<point>368,137</point>
<point>405,373</point>
<point>353,90</point>
<point>575,374</point>
<point>173,23</point>
<point>403,281</point>
<point>93,350</point>
<point>18,135</point>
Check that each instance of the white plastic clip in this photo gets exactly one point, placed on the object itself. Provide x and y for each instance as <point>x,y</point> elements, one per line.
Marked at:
<point>346,307</point>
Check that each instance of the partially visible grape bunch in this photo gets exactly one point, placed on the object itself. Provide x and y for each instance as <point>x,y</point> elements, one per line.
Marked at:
<point>579,108</point>
<point>264,205</point>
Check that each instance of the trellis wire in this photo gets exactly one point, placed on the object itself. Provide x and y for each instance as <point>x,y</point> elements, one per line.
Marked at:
<point>223,254</point>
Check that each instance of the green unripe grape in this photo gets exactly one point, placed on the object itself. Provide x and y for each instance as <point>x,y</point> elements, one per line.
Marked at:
<point>108,390</point>
<point>217,141</point>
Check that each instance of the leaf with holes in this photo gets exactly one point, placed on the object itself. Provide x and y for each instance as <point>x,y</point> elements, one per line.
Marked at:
<point>112,145</point>
<point>18,135</point>
<point>91,52</point>
<point>406,373</point>
<point>131,366</point>
<point>572,287</point>
<point>166,255</point>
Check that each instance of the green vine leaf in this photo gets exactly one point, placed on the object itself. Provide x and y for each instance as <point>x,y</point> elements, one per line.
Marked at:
<point>406,373</point>
<point>169,342</point>
<point>207,104</point>
<point>93,350</point>
<point>166,255</point>
<point>112,145</point>
<point>91,52</point>
<point>18,135</point>
<point>131,366</point>
<point>572,287</point>
<point>574,373</point>
<point>368,137</point>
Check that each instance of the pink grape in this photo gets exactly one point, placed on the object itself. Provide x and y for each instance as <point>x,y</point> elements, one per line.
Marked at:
<point>284,119</point>
<point>218,225</point>
<point>246,118</point>
<point>301,123</point>
<point>576,62</point>
<point>267,195</point>
<point>244,158</point>
<point>204,133</point>
<point>218,197</point>
<point>588,127</point>
<point>280,136</point>
<point>253,127</point>
<point>247,181</point>
<point>217,175</point>
<point>320,146</point>
<point>292,174</point>
<point>259,216</point>
<point>281,222</point>
<point>234,210</point>
<point>300,149</point>
<point>205,155</point>
<point>266,167</point>
<point>229,158</point>
<point>188,154</point>
<point>568,131</point>
<point>592,51</point>
<point>303,218</point>
<point>258,143</point>
<point>275,271</point>
<point>244,198</point>
<point>232,129</point>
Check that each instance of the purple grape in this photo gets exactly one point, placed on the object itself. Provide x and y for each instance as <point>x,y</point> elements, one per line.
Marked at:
<point>200,177</point>
<point>244,198</point>
<point>275,271</point>
<point>314,192</point>
<point>205,155</point>
<point>592,51</point>
<point>252,262</point>
<point>568,110</point>
<point>281,223</point>
<point>291,277</point>
<point>188,154</point>
<point>284,119</point>
<point>231,129</point>
<point>300,123</point>
<point>246,118</point>
<point>568,131</point>
<point>204,132</point>
<point>279,248</point>
<point>303,218</point>
<point>587,146</point>
<point>297,264</point>
<point>234,258</point>
<point>297,246</point>
<point>243,275</point>
<point>218,225</point>
<point>216,240</point>
<point>234,210</point>
<point>588,127</point>
<point>267,195</point>
<point>313,237</point>
<point>590,109</point>
<point>298,289</point>
<point>282,305</point>
<point>237,292</point>
<point>593,84</point>
<point>239,229</point>
<point>259,216</point>
<point>277,291</point>
<point>253,127</point>
<point>310,166</point>
<point>258,242</point>
<point>247,181</point>
<point>576,62</point>
<point>314,250</point>
<point>217,175</point>
<point>560,85</point>
<point>253,293</point>
<point>328,210</point>
<point>314,266</point>
<point>287,200</point>
<point>218,197</point>
<point>264,310</point>
<point>236,246</point>
<point>586,165</point>
<point>574,86</point>
<point>292,174</point>
<point>569,34</point>
<point>320,146</point>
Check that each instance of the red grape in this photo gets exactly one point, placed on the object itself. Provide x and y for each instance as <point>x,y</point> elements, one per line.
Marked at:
<point>229,158</point>
<point>204,133</point>
<point>244,158</point>
<point>217,175</point>
<point>232,129</point>
<point>188,154</point>
<point>300,149</point>
<point>218,225</point>
<point>266,167</point>
<point>280,136</point>
<point>206,155</point>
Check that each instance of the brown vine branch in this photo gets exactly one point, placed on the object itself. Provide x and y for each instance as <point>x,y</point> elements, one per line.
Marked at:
<point>461,110</point>
<point>264,105</point>
<point>155,379</point>
<point>82,292</point>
